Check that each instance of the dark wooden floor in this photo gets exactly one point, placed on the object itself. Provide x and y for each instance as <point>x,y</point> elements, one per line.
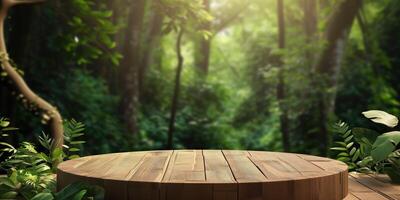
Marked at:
<point>372,187</point>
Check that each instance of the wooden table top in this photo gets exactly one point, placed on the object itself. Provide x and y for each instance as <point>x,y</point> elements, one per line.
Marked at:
<point>209,174</point>
<point>372,187</point>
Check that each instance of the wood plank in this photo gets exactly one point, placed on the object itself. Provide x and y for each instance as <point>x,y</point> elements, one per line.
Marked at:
<point>145,181</point>
<point>313,158</point>
<point>248,176</point>
<point>217,168</point>
<point>273,167</point>
<point>185,166</point>
<point>382,188</point>
<point>185,169</point>
<point>355,186</point>
<point>88,168</point>
<point>369,196</point>
<point>351,197</point>
<point>331,166</point>
<point>305,167</point>
<point>123,165</point>
<point>220,175</point>
<point>243,169</point>
<point>115,177</point>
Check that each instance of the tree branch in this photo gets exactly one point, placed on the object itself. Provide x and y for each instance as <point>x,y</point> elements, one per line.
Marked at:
<point>49,113</point>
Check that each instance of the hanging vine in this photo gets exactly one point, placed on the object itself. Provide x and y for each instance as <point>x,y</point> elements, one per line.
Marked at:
<point>49,113</point>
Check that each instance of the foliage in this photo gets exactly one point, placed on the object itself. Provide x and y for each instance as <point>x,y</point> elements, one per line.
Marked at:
<point>30,173</point>
<point>353,149</point>
<point>68,51</point>
<point>77,38</point>
<point>183,14</point>
<point>95,107</point>
<point>87,32</point>
<point>365,150</point>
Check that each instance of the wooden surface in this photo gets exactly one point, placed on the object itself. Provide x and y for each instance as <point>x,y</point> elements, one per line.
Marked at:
<point>209,175</point>
<point>372,187</point>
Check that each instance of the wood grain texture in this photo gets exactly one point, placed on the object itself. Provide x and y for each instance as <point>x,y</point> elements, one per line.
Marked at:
<point>214,175</point>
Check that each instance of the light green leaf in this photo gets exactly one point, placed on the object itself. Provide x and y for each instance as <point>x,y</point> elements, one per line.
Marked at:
<point>353,150</point>
<point>4,123</point>
<point>349,145</point>
<point>381,117</point>
<point>338,149</point>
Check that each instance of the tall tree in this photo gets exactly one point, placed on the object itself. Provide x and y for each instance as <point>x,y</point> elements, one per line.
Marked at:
<point>304,126</point>
<point>130,66</point>
<point>281,91</point>
<point>183,16</point>
<point>202,57</point>
<point>328,65</point>
<point>310,19</point>
<point>151,43</point>
<point>175,97</point>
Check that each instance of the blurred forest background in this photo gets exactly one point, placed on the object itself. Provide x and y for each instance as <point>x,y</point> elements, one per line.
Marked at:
<point>242,74</point>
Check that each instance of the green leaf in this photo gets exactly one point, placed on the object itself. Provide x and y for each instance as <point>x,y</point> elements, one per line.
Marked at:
<point>43,196</point>
<point>393,137</point>
<point>382,151</point>
<point>343,154</point>
<point>79,195</point>
<point>356,155</point>
<point>70,191</point>
<point>384,145</point>
<point>349,145</point>
<point>381,117</point>
<point>353,150</point>
<point>9,195</point>
<point>73,157</point>
<point>74,150</point>
<point>4,123</point>
<point>78,142</point>
<point>341,144</point>
<point>338,149</point>
<point>344,159</point>
<point>347,134</point>
<point>348,139</point>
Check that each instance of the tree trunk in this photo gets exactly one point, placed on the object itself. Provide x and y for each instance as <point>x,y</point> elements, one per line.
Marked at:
<point>203,47</point>
<point>281,91</point>
<point>129,74</point>
<point>151,44</point>
<point>328,66</point>
<point>175,96</point>
<point>310,19</point>
<point>30,99</point>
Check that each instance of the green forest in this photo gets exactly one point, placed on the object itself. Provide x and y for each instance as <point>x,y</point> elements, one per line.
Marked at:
<point>254,74</point>
<point>272,75</point>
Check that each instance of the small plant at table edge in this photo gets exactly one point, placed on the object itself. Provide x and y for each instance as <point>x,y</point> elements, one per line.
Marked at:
<point>31,174</point>
<point>366,151</point>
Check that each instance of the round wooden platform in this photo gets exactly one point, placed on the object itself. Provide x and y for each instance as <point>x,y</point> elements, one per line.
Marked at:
<point>209,175</point>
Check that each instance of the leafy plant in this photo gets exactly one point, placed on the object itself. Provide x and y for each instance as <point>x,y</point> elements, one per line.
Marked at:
<point>364,150</point>
<point>73,130</point>
<point>31,173</point>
